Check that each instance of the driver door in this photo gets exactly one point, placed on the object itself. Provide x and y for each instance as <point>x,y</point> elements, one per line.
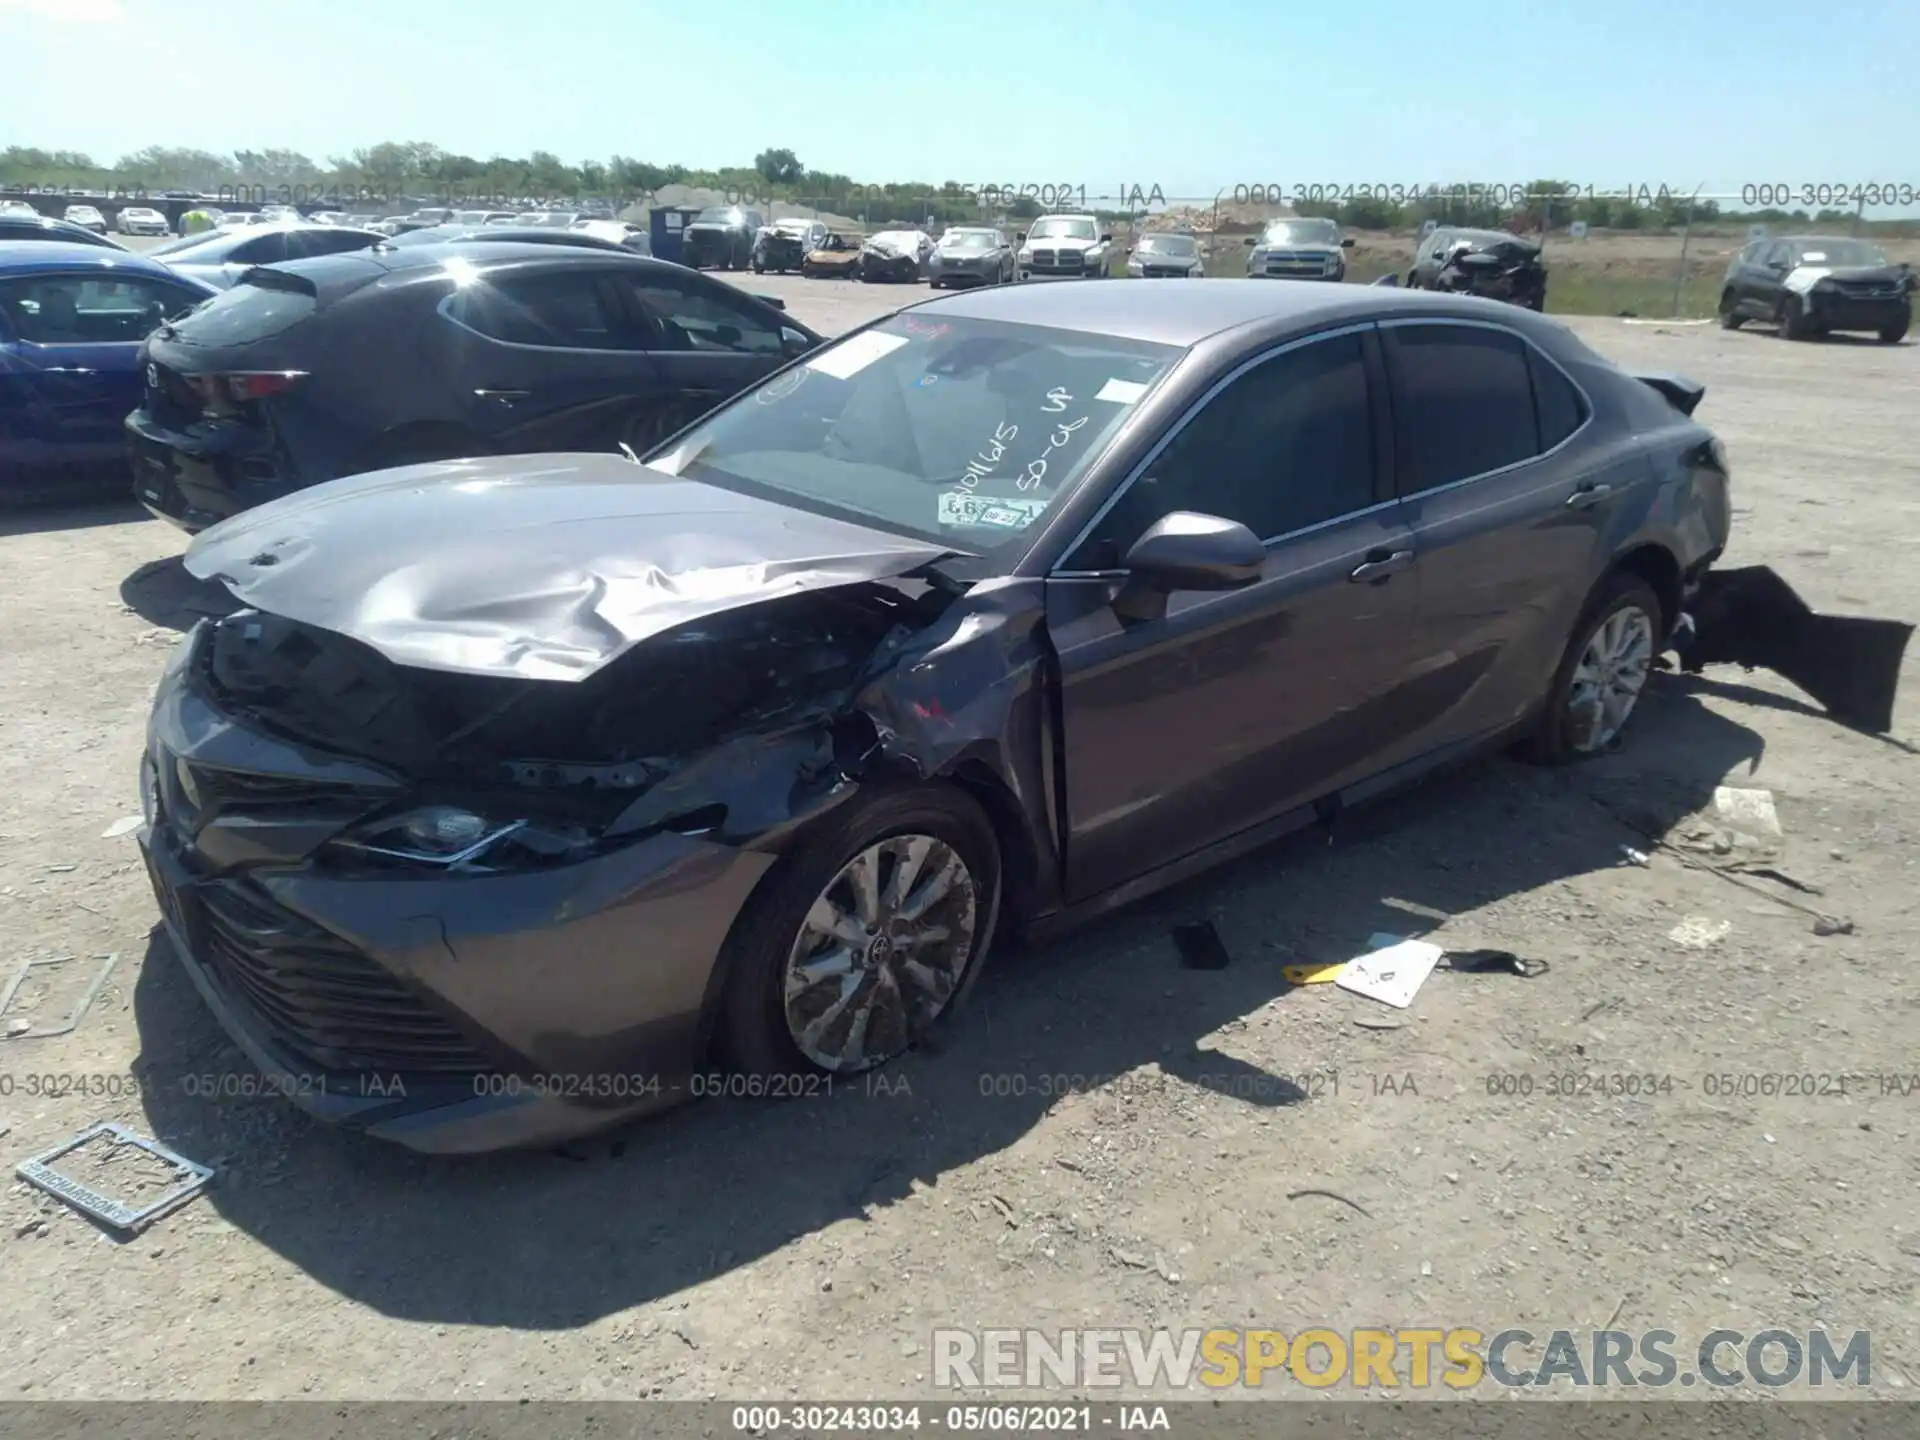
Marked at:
<point>1236,707</point>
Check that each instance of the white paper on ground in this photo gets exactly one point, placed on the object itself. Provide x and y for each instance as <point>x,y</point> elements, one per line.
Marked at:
<point>1121,392</point>
<point>850,358</point>
<point>1392,973</point>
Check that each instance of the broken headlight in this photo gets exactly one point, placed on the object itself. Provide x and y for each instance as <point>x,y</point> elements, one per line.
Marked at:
<point>449,837</point>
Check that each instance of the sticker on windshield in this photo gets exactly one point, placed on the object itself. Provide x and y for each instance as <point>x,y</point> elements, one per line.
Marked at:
<point>849,358</point>
<point>1121,392</point>
<point>962,507</point>
<point>783,386</point>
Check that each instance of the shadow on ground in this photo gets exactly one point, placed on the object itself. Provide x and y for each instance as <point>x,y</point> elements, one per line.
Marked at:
<point>41,518</point>
<point>544,1241</point>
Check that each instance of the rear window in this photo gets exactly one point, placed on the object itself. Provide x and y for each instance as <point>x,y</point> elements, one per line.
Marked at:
<point>244,314</point>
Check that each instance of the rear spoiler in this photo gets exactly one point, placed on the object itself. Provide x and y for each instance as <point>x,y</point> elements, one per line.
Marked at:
<point>1677,390</point>
<point>265,277</point>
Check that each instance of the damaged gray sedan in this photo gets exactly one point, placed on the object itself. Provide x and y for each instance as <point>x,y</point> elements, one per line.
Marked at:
<point>528,792</point>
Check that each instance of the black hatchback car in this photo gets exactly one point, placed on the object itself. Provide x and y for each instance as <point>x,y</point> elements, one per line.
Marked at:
<point>316,369</point>
<point>545,783</point>
<point>1810,285</point>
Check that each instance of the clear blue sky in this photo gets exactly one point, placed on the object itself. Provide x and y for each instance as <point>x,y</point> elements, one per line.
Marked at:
<point>1191,95</point>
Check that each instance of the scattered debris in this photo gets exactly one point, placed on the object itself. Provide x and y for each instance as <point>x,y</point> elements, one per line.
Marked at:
<point>1392,971</point>
<point>117,1159</point>
<point>1132,1259</point>
<point>1165,1271</point>
<point>1330,1195</point>
<point>19,1028</point>
<point>1066,1164</point>
<point>1777,875</point>
<point>1313,974</point>
<point>1006,1212</point>
<point>1481,962</point>
<point>1698,932</point>
<point>1748,813</point>
<point>1200,946</point>
<point>1636,857</point>
<point>1370,1023</point>
<point>61,869</point>
<point>125,825</point>
<point>1832,925</point>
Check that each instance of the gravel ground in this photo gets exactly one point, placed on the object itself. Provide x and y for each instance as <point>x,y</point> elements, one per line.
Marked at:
<point>809,1249</point>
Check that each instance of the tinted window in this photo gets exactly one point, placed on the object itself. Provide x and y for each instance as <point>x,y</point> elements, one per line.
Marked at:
<point>1556,403</point>
<point>80,310</point>
<point>687,317</point>
<point>260,249</point>
<point>1463,402</point>
<point>326,242</point>
<point>566,310</point>
<point>1287,445</point>
<point>244,314</point>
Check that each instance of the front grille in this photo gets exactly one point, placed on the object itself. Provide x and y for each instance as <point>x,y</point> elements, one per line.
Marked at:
<point>1045,259</point>
<point>1869,289</point>
<point>1285,264</point>
<point>1165,272</point>
<point>319,995</point>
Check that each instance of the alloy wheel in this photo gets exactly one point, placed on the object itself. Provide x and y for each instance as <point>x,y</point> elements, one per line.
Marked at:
<point>881,953</point>
<point>1607,682</point>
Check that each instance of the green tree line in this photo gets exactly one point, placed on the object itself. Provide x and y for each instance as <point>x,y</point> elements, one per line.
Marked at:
<point>396,171</point>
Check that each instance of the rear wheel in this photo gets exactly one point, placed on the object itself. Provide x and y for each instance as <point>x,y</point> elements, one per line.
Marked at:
<point>1602,674</point>
<point>863,939</point>
<point>1730,316</point>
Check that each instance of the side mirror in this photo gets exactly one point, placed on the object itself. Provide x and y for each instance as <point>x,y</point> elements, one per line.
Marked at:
<point>1248,242</point>
<point>1186,551</point>
<point>793,342</point>
<point>1388,280</point>
<point>1020,237</point>
<point>1106,239</point>
<point>1130,250</point>
<point>1346,242</point>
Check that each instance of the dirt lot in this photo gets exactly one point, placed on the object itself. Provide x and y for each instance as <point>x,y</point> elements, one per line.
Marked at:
<point>809,1249</point>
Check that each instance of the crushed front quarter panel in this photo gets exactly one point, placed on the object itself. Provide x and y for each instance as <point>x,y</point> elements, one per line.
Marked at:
<point>544,568</point>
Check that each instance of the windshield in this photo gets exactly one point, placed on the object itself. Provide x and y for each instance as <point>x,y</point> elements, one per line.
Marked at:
<point>1167,244</point>
<point>1301,232</point>
<point>720,215</point>
<point>958,431</point>
<point>1063,229</point>
<point>1841,253</point>
<point>967,240</point>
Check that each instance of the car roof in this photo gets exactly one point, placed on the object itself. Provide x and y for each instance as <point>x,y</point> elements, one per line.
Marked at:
<point>1184,315</point>
<point>22,257</point>
<point>1824,239</point>
<point>492,253</point>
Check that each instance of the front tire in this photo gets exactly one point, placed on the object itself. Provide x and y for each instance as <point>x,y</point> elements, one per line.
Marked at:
<point>1602,675</point>
<point>1793,319</point>
<point>1894,333</point>
<point>864,938</point>
<point>1730,316</point>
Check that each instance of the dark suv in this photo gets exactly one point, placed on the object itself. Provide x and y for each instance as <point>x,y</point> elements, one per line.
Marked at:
<point>316,369</point>
<point>1813,284</point>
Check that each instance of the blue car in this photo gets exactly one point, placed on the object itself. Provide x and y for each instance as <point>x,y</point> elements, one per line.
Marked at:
<point>72,318</point>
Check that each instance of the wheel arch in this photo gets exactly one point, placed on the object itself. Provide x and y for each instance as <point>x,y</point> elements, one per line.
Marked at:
<point>421,434</point>
<point>1658,566</point>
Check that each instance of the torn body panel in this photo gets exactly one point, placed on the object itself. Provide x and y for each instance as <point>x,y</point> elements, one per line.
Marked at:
<point>1751,617</point>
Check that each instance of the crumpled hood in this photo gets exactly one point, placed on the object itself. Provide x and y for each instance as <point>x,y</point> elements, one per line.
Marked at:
<point>1804,277</point>
<point>546,567</point>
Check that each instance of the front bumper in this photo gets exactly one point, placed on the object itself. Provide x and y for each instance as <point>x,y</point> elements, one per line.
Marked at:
<point>1063,270</point>
<point>948,272</point>
<point>889,269</point>
<point>1832,311</point>
<point>197,479</point>
<point>779,257</point>
<point>449,1013</point>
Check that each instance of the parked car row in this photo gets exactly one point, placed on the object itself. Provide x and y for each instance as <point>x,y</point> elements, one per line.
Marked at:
<point>750,748</point>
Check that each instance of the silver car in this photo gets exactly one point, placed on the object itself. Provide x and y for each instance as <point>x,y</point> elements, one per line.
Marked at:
<point>1166,256</point>
<point>224,255</point>
<point>971,255</point>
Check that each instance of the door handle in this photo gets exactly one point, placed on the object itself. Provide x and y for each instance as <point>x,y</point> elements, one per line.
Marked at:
<point>505,397</point>
<point>1587,496</point>
<point>1381,564</point>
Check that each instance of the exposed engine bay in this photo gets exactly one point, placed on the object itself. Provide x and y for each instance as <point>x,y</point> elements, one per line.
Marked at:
<point>591,746</point>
